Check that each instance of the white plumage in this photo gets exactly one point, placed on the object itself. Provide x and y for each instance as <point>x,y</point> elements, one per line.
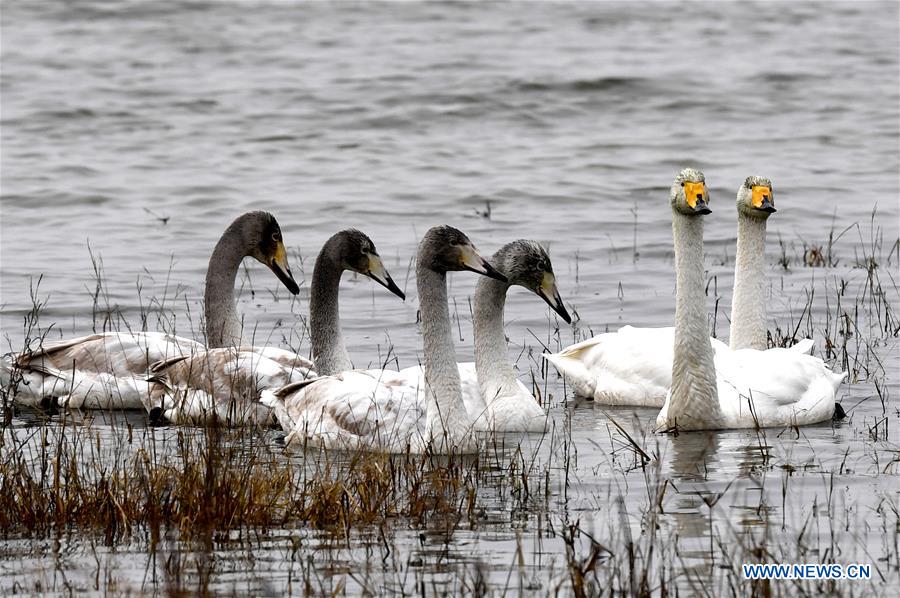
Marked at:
<point>742,388</point>
<point>633,366</point>
<point>776,387</point>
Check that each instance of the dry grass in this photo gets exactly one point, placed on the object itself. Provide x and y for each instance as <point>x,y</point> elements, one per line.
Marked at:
<point>605,509</point>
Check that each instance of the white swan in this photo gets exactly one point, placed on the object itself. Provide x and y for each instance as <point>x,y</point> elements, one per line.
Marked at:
<point>633,365</point>
<point>495,398</point>
<point>223,385</point>
<point>380,410</point>
<point>110,370</point>
<point>744,388</point>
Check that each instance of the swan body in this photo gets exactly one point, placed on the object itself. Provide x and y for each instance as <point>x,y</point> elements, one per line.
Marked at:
<point>515,409</point>
<point>764,389</point>
<point>389,411</point>
<point>636,365</point>
<point>495,399</point>
<point>633,366</point>
<point>743,388</point>
<point>112,370</point>
<point>220,385</point>
<point>224,385</point>
<point>96,371</point>
<point>357,409</point>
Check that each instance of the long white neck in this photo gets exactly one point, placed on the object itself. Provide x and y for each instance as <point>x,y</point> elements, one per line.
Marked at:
<point>223,324</point>
<point>748,304</point>
<point>447,420</point>
<point>694,402</point>
<point>329,352</point>
<point>496,377</point>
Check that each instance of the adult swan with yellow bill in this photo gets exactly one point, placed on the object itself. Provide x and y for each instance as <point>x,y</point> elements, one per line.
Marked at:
<point>633,366</point>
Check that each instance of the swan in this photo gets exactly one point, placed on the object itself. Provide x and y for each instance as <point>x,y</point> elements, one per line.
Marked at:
<point>755,202</point>
<point>742,388</point>
<point>379,409</point>
<point>495,399</point>
<point>633,365</point>
<point>224,384</point>
<point>110,370</point>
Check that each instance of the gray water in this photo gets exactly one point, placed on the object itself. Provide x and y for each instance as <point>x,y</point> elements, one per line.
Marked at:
<point>133,133</point>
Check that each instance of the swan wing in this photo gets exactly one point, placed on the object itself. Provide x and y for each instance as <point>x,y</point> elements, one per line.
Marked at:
<point>288,359</point>
<point>118,353</point>
<point>219,384</point>
<point>632,366</point>
<point>772,388</point>
<point>97,371</point>
<point>368,409</point>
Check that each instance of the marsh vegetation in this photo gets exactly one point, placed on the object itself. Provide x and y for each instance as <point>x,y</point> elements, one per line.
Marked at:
<point>598,505</point>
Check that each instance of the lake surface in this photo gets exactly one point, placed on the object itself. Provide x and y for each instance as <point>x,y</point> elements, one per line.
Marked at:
<point>133,133</point>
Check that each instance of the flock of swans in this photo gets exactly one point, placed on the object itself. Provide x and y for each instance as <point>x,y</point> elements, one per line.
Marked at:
<point>698,382</point>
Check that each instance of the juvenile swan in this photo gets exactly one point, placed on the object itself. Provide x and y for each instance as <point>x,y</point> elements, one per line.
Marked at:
<point>744,388</point>
<point>495,398</point>
<point>633,365</point>
<point>379,410</point>
<point>224,384</point>
<point>111,370</point>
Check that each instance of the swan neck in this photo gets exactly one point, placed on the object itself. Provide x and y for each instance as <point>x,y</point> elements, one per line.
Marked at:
<point>329,352</point>
<point>496,377</point>
<point>223,324</point>
<point>446,412</point>
<point>694,398</point>
<point>748,304</point>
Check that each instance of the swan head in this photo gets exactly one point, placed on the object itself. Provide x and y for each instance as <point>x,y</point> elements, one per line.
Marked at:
<point>446,249</point>
<point>262,236</point>
<point>756,198</point>
<point>358,254</point>
<point>526,264</point>
<point>689,194</point>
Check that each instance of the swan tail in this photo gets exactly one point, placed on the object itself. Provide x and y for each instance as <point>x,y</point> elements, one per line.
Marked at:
<point>805,345</point>
<point>837,378</point>
<point>271,399</point>
<point>839,412</point>
<point>574,371</point>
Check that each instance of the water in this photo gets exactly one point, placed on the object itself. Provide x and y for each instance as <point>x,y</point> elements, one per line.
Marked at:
<point>134,133</point>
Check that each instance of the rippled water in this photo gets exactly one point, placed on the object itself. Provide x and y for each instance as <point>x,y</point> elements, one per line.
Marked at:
<point>135,132</point>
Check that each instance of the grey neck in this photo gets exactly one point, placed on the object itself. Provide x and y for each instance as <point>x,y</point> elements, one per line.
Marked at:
<point>748,303</point>
<point>694,397</point>
<point>223,324</point>
<point>496,377</point>
<point>446,412</point>
<point>329,353</point>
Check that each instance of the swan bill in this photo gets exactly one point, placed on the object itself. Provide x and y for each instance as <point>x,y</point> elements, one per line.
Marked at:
<point>279,265</point>
<point>377,272</point>
<point>549,293</point>
<point>702,208</point>
<point>762,199</point>
<point>470,260</point>
<point>695,197</point>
